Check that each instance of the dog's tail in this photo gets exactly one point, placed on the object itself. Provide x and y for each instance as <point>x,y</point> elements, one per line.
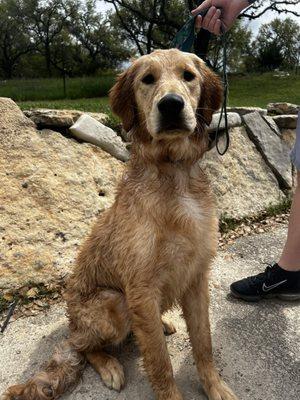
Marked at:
<point>61,373</point>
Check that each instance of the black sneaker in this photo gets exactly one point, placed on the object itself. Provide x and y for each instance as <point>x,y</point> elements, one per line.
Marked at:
<point>274,282</point>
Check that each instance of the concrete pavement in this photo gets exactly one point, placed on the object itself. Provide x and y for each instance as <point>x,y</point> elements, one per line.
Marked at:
<point>256,346</point>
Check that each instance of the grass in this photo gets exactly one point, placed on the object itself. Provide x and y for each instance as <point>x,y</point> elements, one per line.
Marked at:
<point>52,89</point>
<point>93,104</point>
<point>89,105</point>
<point>259,90</point>
<point>84,93</point>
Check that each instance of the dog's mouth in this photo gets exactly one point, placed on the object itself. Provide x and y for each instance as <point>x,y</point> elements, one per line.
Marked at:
<point>174,126</point>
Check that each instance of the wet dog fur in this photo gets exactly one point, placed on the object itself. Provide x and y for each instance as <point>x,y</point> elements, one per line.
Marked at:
<point>153,248</point>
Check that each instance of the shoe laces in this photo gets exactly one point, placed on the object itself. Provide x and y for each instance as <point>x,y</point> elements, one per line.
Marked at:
<point>263,276</point>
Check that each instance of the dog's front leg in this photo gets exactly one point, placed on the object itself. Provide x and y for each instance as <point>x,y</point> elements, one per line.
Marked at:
<point>146,325</point>
<point>195,303</point>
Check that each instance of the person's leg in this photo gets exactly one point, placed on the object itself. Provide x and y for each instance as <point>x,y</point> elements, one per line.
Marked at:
<point>280,279</point>
<point>290,258</point>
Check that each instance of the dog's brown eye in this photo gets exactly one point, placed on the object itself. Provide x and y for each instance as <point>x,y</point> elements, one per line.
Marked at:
<point>188,76</point>
<point>148,79</point>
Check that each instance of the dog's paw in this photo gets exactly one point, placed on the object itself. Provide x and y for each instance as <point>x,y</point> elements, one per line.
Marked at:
<point>176,395</point>
<point>220,391</point>
<point>112,374</point>
<point>169,328</point>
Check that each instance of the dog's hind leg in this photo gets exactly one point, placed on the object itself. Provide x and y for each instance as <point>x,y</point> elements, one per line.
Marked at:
<point>101,321</point>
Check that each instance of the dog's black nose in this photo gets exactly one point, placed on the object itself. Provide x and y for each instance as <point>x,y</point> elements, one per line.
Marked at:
<point>170,105</point>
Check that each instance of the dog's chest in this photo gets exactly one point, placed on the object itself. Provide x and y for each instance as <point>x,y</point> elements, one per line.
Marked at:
<point>186,247</point>
<point>175,235</point>
<point>191,209</point>
<point>181,234</point>
<point>184,230</point>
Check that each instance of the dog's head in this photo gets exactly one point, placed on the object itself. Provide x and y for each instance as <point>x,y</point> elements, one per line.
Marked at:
<point>166,94</point>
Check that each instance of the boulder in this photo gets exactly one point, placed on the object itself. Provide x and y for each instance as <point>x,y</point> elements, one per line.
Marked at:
<point>244,185</point>
<point>51,191</point>
<point>274,151</point>
<point>247,110</point>
<point>289,137</point>
<point>60,119</point>
<point>282,108</point>
<point>233,120</point>
<point>272,124</point>
<point>286,121</point>
<point>125,135</point>
<point>89,130</point>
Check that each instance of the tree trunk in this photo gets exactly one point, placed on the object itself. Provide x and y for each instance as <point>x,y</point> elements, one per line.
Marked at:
<point>8,69</point>
<point>48,59</point>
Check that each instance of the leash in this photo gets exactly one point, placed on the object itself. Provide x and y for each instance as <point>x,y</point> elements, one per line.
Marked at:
<point>184,40</point>
<point>11,310</point>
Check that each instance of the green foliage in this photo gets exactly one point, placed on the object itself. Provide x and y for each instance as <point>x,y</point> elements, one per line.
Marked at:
<point>41,38</point>
<point>100,43</point>
<point>238,44</point>
<point>278,44</point>
<point>281,38</point>
<point>64,37</point>
<point>14,38</point>
<point>148,25</point>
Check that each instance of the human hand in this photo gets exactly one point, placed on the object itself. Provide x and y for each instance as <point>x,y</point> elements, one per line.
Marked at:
<point>221,14</point>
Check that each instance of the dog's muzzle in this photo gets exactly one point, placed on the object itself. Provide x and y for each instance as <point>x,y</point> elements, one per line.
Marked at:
<point>170,109</point>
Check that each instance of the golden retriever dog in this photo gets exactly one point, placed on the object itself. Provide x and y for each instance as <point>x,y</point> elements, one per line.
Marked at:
<point>153,248</point>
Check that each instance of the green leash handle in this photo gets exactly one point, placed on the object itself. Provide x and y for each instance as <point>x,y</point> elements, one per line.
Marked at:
<point>184,39</point>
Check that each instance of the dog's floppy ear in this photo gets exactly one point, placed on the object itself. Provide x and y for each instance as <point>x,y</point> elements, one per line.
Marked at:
<point>122,100</point>
<point>211,94</point>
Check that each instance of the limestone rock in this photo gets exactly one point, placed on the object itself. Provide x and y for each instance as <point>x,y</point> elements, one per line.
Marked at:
<point>89,130</point>
<point>233,120</point>
<point>47,118</point>
<point>282,108</point>
<point>247,110</point>
<point>272,124</point>
<point>125,135</point>
<point>289,137</point>
<point>244,185</point>
<point>274,151</point>
<point>51,190</point>
<point>286,121</point>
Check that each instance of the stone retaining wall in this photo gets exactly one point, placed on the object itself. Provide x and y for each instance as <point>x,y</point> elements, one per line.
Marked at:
<point>53,186</point>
